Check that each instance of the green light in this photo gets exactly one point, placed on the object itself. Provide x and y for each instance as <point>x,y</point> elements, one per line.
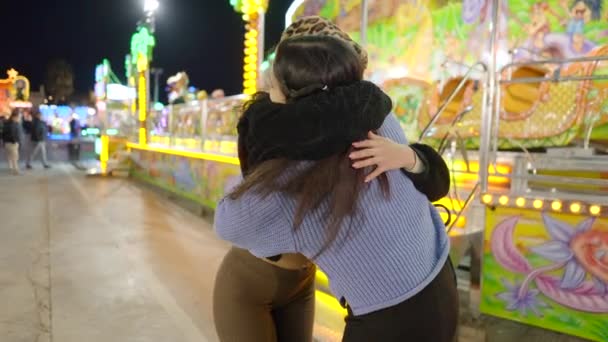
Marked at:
<point>93,131</point>
<point>128,67</point>
<point>268,62</point>
<point>112,131</point>
<point>265,65</point>
<point>142,44</point>
<point>159,106</point>
<point>98,146</point>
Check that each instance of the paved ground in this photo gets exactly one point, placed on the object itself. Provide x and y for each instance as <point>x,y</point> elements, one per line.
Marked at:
<point>91,259</point>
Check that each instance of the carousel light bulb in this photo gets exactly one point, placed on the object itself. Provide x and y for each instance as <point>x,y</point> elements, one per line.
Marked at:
<point>503,200</point>
<point>575,208</point>
<point>556,205</point>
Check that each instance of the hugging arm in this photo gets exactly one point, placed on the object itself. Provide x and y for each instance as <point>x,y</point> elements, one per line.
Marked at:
<point>389,150</point>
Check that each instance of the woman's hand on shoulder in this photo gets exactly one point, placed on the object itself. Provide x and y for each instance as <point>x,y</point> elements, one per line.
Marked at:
<point>382,153</point>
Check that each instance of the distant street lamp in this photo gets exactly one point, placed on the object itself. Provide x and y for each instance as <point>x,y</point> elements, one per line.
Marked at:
<point>150,6</point>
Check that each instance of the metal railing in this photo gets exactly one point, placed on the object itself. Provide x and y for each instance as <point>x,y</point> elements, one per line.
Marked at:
<point>465,205</point>
<point>477,67</point>
<point>556,76</point>
<point>457,119</point>
<point>490,147</point>
<point>444,105</point>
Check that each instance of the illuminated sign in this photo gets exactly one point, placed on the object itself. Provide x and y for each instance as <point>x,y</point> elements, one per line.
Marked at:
<point>119,92</point>
<point>102,73</point>
<point>15,88</point>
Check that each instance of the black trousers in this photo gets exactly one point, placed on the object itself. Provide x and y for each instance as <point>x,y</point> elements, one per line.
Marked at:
<point>429,316</point>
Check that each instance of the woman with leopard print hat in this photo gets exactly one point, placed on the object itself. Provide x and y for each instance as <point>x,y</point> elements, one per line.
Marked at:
<point>272,299</point>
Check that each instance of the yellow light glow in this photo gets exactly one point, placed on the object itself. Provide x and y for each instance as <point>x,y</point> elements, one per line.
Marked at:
<point>142,136</point>
<point>594,210</point>
<point>228,147</point>
<point>321,278</point>
<point>451,203</point>
<point>575,208</point>
<point>472,176</point>
<point>104,154</point>
<point>142,97</point>
<point>537,204</point>
<point>250,8</point>
<point>142,63</point>
<point>503,200</point>
<point>556,205</point>
<point>487,198</point>
<point>460,223</point>
<point>190,154</point>
<point>520,202</point>
<point>331,302</point>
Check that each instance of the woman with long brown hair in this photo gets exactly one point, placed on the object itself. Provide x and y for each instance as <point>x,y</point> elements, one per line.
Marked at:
<point>381,243</point>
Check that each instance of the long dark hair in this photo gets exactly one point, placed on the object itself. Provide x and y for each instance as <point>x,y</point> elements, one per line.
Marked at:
<point>304,65</point>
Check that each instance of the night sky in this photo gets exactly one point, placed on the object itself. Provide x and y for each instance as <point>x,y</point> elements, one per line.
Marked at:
<point>202,37</point>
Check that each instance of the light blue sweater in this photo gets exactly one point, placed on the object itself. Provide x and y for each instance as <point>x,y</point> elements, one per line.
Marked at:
<point>393,250</point>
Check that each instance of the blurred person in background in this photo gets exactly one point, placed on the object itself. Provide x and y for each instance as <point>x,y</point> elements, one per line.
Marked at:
<point>74,146</point>
<point>38,134</point>
<point>11,136</point>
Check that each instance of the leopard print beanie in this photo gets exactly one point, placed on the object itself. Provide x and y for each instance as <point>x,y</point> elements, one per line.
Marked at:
<point>317,26</point>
